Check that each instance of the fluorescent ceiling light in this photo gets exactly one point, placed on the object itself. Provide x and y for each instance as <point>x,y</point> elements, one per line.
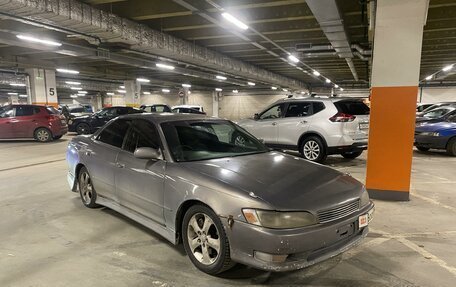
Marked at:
<point>285,90</point>
<point>121,91</point>
<point>72,83</point>
<point>17,85</point>
<point>273,88</point>
<point>40,41</point>
<point>74,96</point>
<point>341,89</point>
<point>186,85</point>
<point>166,90</point>
<point>66,71</point>
<point>234,20</point>
<point>429,77</point>
<point>251,83</point>
<point>447,68</point>
<point>235,91</point>
<point>110,94</point>
<point>146,93</point>
<point>316,73</point>
<point>82,92</point>
<point>220,77</point>
<point>142,80</point>
<point>164,66</point>
<point>22,96</point>
<point>328,81</point>
<point>293,59</point>
<point>336,86</point>
<point>189,92</point>
<point>76,88</point>
<point>218,89</point>
<point>13,94</point>
<point>122,87</point>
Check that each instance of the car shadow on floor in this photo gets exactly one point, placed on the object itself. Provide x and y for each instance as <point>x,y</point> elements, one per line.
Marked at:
<point>335,160</point>
<point>433,153</point>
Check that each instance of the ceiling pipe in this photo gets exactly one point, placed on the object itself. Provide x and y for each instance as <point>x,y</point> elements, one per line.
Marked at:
<point>352,68</point>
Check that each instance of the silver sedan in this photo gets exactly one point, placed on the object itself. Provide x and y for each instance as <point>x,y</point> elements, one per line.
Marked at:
<point>210,184</point>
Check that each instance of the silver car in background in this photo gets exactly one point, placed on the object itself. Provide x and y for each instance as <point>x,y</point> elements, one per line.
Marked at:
<point>315,126</point>
<point>219,190</point>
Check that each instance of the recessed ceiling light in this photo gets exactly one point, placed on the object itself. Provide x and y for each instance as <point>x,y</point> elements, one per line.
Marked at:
<point>76,88</point>
<point>72,83</point>
<point>186,85</point>
<point>166,90</point>
<point>218,89</point>
<point>13,94</point>
<point>220,77</point>
<point>341,89</point>
<point>274,88</point>
<point>67,71</point>
<point>122,87</point>
<point>429,77</point>
<point>110,94</point>
<point>336,86</point>
<point>293,58</point>
<point>82,92</point>
<point>23,96</point>
<point>316,73</point>
<point>122,91</point>
<point>328,81</point>
<point>285,90</point>
<point>235,91</point>
<point>73,96</point>
<point>164,66</point>
<point>142,80</point>
<point>146,93</point>
<point>251,83</point>
<point>17,85</point>
<point>235,21</point>
<point>40,41</point>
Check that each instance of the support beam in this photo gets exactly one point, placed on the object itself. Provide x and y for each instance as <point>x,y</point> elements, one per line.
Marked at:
<point>395,76</point>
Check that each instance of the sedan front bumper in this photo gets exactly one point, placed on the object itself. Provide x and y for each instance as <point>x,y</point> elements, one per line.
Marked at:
<point>296,248</point>
<point>431,141</point>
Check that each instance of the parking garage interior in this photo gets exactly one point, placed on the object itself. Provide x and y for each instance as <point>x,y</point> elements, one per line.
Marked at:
<point>231,60</point>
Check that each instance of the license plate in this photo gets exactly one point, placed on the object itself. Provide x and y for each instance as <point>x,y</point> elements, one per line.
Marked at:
<point>364,126</point>
<point>364,219</point>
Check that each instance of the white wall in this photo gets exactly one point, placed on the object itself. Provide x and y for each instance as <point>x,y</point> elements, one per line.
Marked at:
<point>433,95</point>
<point>241,106</point>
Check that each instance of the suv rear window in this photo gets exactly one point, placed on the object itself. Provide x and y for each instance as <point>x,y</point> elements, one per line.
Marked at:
<point>352,107</point>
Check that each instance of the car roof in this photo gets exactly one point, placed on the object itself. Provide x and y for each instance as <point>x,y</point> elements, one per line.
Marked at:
<point>159,118</point>
<point>186,106</point>
<point>320,99</point>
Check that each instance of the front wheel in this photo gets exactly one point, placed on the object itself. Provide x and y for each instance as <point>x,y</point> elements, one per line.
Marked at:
<point>313,149</point>
<point>86,190</point>
<point>205,240</point>
<point>83,129</point>
<point>351,155</point>
<point>451,147</point>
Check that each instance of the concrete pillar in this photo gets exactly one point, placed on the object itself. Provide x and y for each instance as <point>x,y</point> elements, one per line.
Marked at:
<point>42,87</point>
<point>97,102</point>
<point>132,97</point>
<point>215,103</point>
<point>14,99</point>
<point>395,77</point>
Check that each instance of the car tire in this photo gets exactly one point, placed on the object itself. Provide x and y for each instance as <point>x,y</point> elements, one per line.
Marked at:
<point>313,149</point>
<point>43,135</point>
<point>451,147</point>
<point>422,148</point>
<point>351,155</point>
<point>83,129</point>
<point>237,139</point>
<point>201,240</point>
<point>86,189</point>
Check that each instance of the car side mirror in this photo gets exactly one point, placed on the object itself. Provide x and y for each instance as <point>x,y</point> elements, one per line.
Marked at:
<point>147,153</point>
<point>256,116</point>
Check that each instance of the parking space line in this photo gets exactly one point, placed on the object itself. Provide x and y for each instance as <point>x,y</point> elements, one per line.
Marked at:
<point>433,201</point>
<point>30,165</point>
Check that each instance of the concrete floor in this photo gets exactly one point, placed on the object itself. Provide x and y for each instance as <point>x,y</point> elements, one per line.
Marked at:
<point>47,237</point>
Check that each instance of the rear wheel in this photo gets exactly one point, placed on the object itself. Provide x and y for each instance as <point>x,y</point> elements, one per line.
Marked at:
<point>83,129</point>
<point>451,147</point>
<point>86,190</point>
<point>43,135</point>
<point>205,240</point>
<point>351,155</point>
<point>313,149</point>
<point>422,148</point>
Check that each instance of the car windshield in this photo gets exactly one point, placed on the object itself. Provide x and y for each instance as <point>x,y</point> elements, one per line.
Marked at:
<point>203,140</point>
<point>437,113</point>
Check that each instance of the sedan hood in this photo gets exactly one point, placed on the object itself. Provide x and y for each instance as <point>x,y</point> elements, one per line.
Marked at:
<point>284,181</point>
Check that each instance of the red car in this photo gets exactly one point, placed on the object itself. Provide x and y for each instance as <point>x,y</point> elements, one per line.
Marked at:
<point>31,121</point>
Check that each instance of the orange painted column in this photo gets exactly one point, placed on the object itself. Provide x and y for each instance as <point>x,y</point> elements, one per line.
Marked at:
<point>395,77</point>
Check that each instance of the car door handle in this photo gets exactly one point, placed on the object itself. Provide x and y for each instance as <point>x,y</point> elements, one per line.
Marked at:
<point>88,153</point>
<point>304,122</point>
<point>120,165</point>
<point>274,123</point>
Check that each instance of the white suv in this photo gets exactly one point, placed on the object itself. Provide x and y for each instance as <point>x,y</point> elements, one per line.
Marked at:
<point>317,127</point>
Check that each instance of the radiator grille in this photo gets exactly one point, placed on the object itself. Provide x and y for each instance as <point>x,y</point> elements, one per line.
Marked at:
<point>338,212</point>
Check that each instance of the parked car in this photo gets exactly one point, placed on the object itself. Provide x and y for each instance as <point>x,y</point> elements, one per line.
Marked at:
<point>160,108</point>
<point>186,178</point>
<point>437,135</point>
<point>90,123</point>
<point>435,106</point>
<point>182,110</point>
<point>437,115</point>
<point>317,127</point>
<point>73,111</point>
<point>188,109</point>
<point>422,106</point>
<point>31,121</point>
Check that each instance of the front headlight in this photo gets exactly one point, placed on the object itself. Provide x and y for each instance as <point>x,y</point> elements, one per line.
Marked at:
<point>432,134</point>
<point>364,199</point>
<point>277,219</point>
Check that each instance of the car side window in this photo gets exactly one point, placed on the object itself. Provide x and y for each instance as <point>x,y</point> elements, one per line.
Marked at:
<point>6,112</point>
<point>452,118</point>
<point>141,134</point>
<point>114,133</point>
<point>318,107</point>
<point>298,110</point>
<point>123,111</point>
<point>23,111</point>
<point>274,112</point>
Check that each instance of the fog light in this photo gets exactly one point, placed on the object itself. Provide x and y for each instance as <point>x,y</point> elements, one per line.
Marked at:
<point>270,257</point>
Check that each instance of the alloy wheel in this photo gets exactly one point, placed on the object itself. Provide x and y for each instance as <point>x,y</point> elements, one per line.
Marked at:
<point>203,238</point>
<point>85,185</point>
<point>311,150</point>
<point>42,135</point>
<point>239,141</point>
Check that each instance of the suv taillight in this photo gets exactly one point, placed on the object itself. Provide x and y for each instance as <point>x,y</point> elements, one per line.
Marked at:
<point>341,117</point>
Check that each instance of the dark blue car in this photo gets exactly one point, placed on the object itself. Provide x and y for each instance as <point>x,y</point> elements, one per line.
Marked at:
<point>437,135</point>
